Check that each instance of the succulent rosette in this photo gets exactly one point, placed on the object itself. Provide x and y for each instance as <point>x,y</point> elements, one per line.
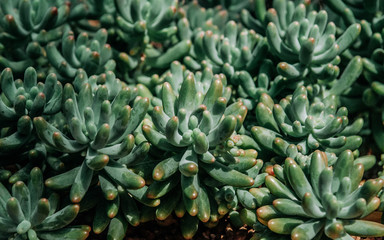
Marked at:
<point>136,111</point>
<point>23,20</point>
<point>21,101</point>
<point>301,123</point>
<point>27,26</point>
<point>304,42</point>
<point>99,128</point>
<point>194,121</point>
<point>325,203</point>
<point>231,50</point>
<point>26,214</point>
<point>92,55</point>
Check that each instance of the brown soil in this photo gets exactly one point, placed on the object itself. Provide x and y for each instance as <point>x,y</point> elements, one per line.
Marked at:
<point>170,230</point>
<point>150,231</point>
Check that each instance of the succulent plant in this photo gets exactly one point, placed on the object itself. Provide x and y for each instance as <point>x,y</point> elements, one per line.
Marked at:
<point>26,214</point>
<point>103,134</point>
<point>195,18</point>
<point>101,129</point>
<point>147,27</point>
<point>107,79</point>
<point>19,58</point>
<point>250,89</point>
<point>352,12</point>
<point>27,26</point>
<point>369,15</point>
<point>27,97</point>
<point>254,18</point>
<point>152,119</point>
<point>139,20</point>
<point>372,93</point>
<point>21,101</point>
<point>305,42</point>
<point>93,56</point>
<point>185,102</point>
<point>306,121</point>
<point>239,202</point>
<point>325,203</point>
<point>95,15</point>
<point>370,46</point>
<point>192,121</point>
<point>4,174</point>
<point>32,19</point>
<point>115,209</point>
<point>343,87</point>
<point>227,52</point>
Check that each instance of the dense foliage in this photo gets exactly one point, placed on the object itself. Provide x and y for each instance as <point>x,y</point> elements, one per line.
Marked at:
<point>267,111</point>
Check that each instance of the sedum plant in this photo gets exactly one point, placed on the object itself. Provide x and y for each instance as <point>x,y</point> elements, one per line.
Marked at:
<point>95,15</point>
<point>31,19</point>
<point>21,101</point>
<point>352,12</point>
<point>140,21</point>
<point>304,42</point>
<point>26,214</point>
<point>101,129</point>
<point>195,18</point>
<point>239,202</point>
<point>256,20</point>
<point>28,97</point>
<point>91,55</point>
<point>193,118</point>
<point>369,15</point>
<point>172,137</point>
<point>373,85</point>
<point>192,121</point>
<point>309,124</point>
<point>227,52</point>
<point>149,29</point>
<point>325,203</point>
<point>19,58</point>
<point>27,26</point>
<point>369,45</point>
<point>101,122</point>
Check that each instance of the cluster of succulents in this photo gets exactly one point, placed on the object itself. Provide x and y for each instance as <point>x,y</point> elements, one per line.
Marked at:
<point>268,113</point>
